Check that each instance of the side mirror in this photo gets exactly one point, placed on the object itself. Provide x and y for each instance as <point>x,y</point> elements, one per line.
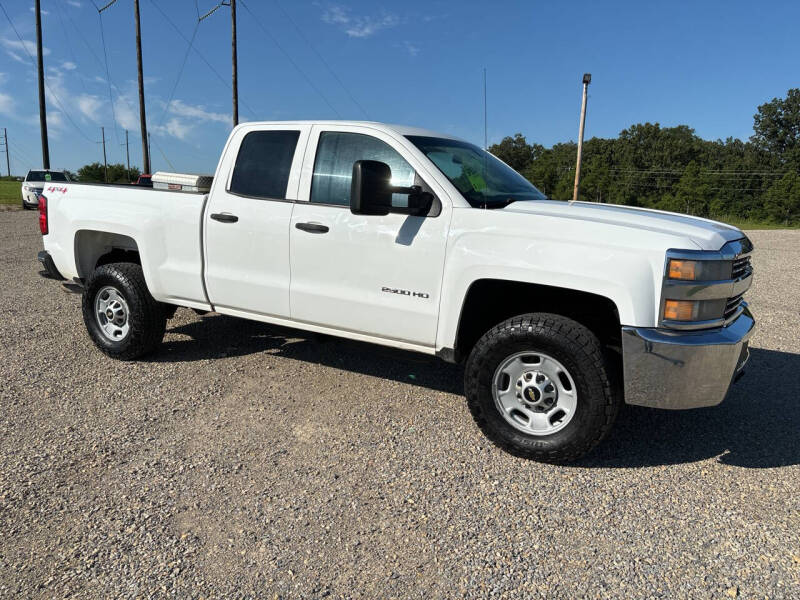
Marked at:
<point>419,202</point>
<point>370,190</point>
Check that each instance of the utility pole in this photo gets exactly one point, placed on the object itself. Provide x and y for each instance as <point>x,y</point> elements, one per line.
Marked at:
<point>485,121</point>
<point>40,69</point>
<point>128,155</point>
<point>235,82</point>
<point>235,69</point>
<point>5,140</point>
<point>105,162</point>
<point>149,148</point>
<point>587,78</point>
<point>142,115</point>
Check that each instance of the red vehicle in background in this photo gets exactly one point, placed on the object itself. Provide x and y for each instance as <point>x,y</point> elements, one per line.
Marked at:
<point>145,180</point>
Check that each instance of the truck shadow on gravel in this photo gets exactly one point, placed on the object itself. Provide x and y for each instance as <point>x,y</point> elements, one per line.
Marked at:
<point>220,336</point>
<point>757,426</point>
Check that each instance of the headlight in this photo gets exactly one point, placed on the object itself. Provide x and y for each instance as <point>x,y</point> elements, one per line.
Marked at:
<point>698,270</point>
<point>26,188</point>
<point>703,289</point>
<point>694,310</point>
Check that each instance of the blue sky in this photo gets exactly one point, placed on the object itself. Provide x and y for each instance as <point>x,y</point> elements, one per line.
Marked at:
<point>707,64</point>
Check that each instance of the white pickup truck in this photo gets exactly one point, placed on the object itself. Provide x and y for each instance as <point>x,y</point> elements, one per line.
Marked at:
<point>418,240</point>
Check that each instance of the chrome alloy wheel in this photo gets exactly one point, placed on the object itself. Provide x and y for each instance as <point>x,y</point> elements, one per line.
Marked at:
<point>111,312</point>
<point>535,393</point>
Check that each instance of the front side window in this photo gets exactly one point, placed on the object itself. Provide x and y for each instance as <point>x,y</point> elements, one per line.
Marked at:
<point>263,164</point>
<point>333,167</point>
<point>484,180</point>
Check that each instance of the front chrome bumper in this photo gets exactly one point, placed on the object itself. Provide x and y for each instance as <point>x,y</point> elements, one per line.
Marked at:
<point>684,369</point>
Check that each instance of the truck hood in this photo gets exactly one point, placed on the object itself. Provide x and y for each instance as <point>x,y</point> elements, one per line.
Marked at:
<point>707,234</point>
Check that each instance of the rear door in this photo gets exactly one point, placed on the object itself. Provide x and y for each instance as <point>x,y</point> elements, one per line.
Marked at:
<point>374,275</point>
<point>246,224</point>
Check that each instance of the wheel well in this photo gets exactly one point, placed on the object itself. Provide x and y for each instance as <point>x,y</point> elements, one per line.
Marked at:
<point>96,248</point>
<point>491,301</point>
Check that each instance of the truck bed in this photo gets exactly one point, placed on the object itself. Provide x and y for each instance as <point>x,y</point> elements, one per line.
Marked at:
<point>87,221</point>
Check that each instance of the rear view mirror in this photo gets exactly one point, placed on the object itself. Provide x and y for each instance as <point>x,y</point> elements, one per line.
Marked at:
<point>370,190</point>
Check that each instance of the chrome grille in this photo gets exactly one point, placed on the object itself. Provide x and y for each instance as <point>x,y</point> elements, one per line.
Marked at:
<point>732,306</point>
<point>741,267</point>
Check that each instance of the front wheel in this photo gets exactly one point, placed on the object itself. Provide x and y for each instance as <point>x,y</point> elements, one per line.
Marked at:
<point>538,387</point>
<point>123,319</point>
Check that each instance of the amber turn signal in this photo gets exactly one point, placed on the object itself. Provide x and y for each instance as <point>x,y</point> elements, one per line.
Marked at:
<point>682,269</point>
<point>679,310</point>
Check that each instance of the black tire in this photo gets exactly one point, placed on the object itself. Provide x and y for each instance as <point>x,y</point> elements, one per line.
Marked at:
<point>146,316</point>
<point>575,347</point>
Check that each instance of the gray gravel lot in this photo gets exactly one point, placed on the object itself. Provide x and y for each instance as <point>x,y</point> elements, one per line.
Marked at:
<point>246,460</point>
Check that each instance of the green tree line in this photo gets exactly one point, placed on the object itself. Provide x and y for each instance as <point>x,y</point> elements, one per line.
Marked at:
<point>671,168</point>
<point>95,173</point>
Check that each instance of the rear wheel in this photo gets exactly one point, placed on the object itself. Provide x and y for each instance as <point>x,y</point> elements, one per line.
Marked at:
<point>123,319</point>
<point>537,385</point>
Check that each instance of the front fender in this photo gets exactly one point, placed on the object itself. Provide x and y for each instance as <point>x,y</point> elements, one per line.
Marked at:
<point>627,269</point>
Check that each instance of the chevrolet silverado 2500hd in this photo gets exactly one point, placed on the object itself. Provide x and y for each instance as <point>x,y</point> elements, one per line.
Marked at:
<point>417,240</point>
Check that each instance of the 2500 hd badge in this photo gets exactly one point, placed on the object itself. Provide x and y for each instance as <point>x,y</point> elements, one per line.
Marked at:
<point>405,292</point>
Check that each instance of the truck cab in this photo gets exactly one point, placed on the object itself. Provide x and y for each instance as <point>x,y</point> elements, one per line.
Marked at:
<point>418,240</point>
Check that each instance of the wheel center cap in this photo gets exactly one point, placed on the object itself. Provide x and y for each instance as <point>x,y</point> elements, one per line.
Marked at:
<point>110,313</point>
<point>532,394</point>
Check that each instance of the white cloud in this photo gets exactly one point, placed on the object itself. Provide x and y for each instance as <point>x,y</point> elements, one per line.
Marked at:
<point>44,12</point>
<point>6,104</point>
<point>69,65</point>
<point>186,119</point>
<point>411,48</point>
<point>359,26</point>
<point>174,127</point>
<point>336,15</point>
<point>89,106</point>
<point>127,117</point>
<point>74,3</point>
<point>16,49</point>
<point>182,109</point>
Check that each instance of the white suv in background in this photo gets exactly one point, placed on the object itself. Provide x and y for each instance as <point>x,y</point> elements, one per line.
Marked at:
<point>34,184</point>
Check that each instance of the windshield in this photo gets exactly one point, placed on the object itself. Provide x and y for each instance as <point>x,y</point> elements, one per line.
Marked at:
<point>484,180</point>
<point>46,176</point>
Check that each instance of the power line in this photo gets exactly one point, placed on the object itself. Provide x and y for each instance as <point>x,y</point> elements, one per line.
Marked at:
<point>320,57</point>
<point>108,72</point>
<point>714,172</point>
<point>290,59</point>
<point>120,96</point>
<point>200,54</point>
<point>59,12</point>
<point>49,89</point>
<point>180,73</point>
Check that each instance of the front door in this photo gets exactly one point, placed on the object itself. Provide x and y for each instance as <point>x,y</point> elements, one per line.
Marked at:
<point>374,275</point>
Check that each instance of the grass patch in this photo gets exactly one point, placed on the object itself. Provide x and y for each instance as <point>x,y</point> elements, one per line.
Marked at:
<point>755,223</point>
<point>10,192</point>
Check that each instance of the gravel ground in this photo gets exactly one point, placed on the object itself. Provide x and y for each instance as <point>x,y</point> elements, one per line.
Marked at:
<point>246,460</point>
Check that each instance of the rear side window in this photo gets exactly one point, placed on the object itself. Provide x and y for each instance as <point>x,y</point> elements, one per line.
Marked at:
<point>263,164</point>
